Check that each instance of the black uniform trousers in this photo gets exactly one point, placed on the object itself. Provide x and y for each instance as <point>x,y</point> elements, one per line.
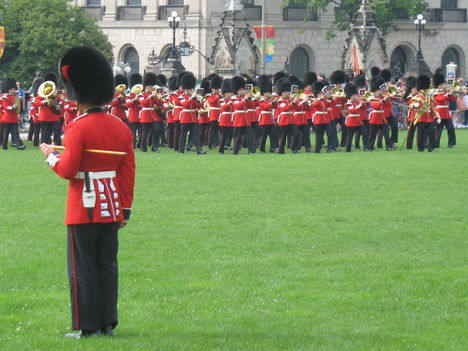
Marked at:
<point>48,129</point>
<point>332,135</point>
<point>374,129</point>
<point>204,128</point>
<point>176,135</point>
<point>213,134</point>
<point>93,274</point>
<point>393,131</point>
<point>344,130</point>
<point>267,131</point>
<point>146,129</point>
<point>410,136</point>
<point>135,128</point>
<point>11,128</point>
<point>425,136</point>
<point>303,137</point>
<point>243,132</point>
<point>290,130</point>
<point>447,123</point>
<point>319,133</point>
<point>170,135</point>
<point>194,130</point>
<point>224,133</point>
<point>157,133</point>
<point>355,130</point>
<point>364,132</point>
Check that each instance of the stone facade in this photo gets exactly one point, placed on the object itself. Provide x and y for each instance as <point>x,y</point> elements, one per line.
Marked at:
<point>139,28</point>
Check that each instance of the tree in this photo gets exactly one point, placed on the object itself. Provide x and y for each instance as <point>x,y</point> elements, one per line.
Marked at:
<point>39,32</point>
<point>385,11</point>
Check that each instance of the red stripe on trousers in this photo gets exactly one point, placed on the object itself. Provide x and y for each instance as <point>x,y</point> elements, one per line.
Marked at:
<point>75,282</point>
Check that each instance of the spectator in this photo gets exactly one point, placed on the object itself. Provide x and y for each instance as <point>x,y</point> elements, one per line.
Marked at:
<point>461,109</point>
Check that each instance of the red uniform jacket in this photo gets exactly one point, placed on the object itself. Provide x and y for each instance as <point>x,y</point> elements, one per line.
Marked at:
<point>70,110</point>
<point>147,113</point>
<point>251,107</point>
<point>240,116</point>
<point>175,102</point>
<point>33,110</point>
<point>225,117</point>
<point>377,116</point>
<point>189,111</point>
<point>265,112</point>
<point>299,113</point>
<point>114,195</point>
<point>336,107</point>
<point>319,112</point>
<point>283,112</point>
<point>119,106</point>
<point>442,104</point>
<point>353,119</point>
<point>9,114</point>
<point>134,107</point>
<point>411,111</point>
<point>417,102</point>
<point>215,110</point>
<point>46,114</point>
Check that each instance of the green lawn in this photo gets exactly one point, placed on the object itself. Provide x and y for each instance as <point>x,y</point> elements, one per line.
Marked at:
<point>342,251</point>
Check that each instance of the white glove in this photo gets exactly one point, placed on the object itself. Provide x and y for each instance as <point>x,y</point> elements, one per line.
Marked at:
<point>416,104</point>
<point>439,120</point>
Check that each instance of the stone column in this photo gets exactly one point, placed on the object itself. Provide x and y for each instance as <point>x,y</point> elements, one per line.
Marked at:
<point>111,10</point>
<point>151,10</point>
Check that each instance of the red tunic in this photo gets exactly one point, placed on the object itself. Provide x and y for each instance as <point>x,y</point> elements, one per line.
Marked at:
<point>46,114</point>
<point>225,117</point>
<point>416,103</point>
<point>336,107</point>
<point>134,107</point>
<point>251,107</point>
<point>175,102</point>
<point>265,112</point>
<point>377,116</point>
<point>9,114</point>
<point>319,112</point>
<point>353,119</point>
<point>70,110</point>
<point>283,112</point>
<point>119,106</point>
<point>299,113</point>
<point>189,109</point>
<point>114,195</point>
<point>442,105</point>
<point>240,117</point>
<point>214,110</point>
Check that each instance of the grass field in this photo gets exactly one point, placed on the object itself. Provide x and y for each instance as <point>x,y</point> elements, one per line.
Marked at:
<point>359,251</point>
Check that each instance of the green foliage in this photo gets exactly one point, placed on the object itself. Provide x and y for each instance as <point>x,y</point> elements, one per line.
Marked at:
<point>342,251</point>
<point>39,32</point>
<point>386,11</point>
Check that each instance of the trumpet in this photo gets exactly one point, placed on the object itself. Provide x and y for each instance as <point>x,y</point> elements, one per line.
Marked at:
<point>338,93</point>
<point>368,96</point>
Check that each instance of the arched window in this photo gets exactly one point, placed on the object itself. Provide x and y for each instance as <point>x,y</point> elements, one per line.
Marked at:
<point>451,55</point>
<point>299,62</point>
<point>131,57</point>
<point>398,62</point>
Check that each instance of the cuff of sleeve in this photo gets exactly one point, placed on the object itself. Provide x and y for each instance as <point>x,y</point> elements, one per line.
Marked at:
<point>126,213</point>
<point>52,159</point>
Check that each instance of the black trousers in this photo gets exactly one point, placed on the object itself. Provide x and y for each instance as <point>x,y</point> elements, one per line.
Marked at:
<point>344,130</point>
<point>447,123</point>
<point>48,129</point>
<point>374,129</point>
<point>255,134</point>
<point>31,130</point>
<point>425,135</point>
<point>2,127</point>
<point>204,128</point>
<point>303,137</point>
<point>355,130</point>
<point>146,129</point>
<point>11,128</point>
<point>170,135</point>
<point>266,131</point>
<point>290,130</point>
<point>93,274</point>
<point>176,135</point>
<point>135,128</point>
<point>243,132</point>
<point>224,134</point>
<point>332,135</point>
<point>194,130</point>
<point>364,132</point>
<point>213,134</point>
<point>319,139</point>
<point>410,135</point>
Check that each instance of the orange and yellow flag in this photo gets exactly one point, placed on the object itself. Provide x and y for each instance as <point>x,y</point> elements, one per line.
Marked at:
<point>2,40</point>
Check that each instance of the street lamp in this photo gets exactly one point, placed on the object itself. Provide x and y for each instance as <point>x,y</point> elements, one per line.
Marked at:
<point>419,22</point>
<point>174,21</point>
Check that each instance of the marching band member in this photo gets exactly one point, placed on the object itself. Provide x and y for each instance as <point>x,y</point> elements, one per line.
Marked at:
<point>49,114</point>
<point>441,101</point>
<point>203,118</point>
<point>34,124</point>
<point>225,117</point>
<point>423,105</point>
<point>132,103</point>
<point>353,119</point>
<point>389,113</point>
<point>169,107</point>
<point>118,104</point>
<point>100,192</point>
<point>337,105</point>
<point>319,116</point>
<point>360,82</point>
<point>284,115</point>
<point>214,110</point>
<point>410,92</point>
<point>377,120</point>
<point>300,112</point>
<point>70,110</point>
<point>190,104</point>
<point>177,109</point>
<point>240,116</point>
<point>266,121</point>
<point>10,119</point>
<point>147,113</point>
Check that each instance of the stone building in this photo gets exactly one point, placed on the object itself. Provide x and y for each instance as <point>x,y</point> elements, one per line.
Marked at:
<point>136,27</point>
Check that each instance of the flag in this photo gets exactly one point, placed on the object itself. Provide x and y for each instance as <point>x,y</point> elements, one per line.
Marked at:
<point>2,40</point>
<point>270,41</point>
<point>356,62</point>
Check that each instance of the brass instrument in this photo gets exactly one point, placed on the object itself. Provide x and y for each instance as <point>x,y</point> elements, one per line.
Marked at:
<point>47,91</point>
<point>18,105</point>
<point>368,96</point>
<point>338,92</point>
<point>121,88</point>
<point>137,88</point>
<point>256,92</point>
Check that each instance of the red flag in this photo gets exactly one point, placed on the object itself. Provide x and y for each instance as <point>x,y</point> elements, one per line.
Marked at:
<point>356,62</point>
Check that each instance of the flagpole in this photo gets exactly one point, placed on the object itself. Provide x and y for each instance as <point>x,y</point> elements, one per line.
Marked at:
<point>262,65</point>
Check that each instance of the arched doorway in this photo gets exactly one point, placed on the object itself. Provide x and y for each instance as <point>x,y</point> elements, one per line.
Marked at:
<point>398,62</point>
<point>131,57</point>
<point>299,63</point>
<point>451,55</point>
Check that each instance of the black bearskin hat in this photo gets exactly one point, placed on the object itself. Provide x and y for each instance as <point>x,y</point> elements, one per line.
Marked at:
<point>188,81</point>
<point>318,86</point>
<point>265,84</point>
<point>386,75</point>
<point>423,82</point>
<point>10,83</point>
<point>283,85</point>
<point>337,77</point>
<point>35,85</point>
<point>360,81</point>
<point>350,89</point>
<point>215,82</point>
<point>150,79</point>
<point>180,76</point>
<point>120,79</point>
<point>309,78</point>
<point>248,79</point>
<point>410,83</point>
<point>237,83</point>
<point>51,77</point>
<point>173,86</point>
<point>374,71</point>
<point>162,80</point>
<point>135,78</point>
<point>278,76</point>
<point>438,79</point>
<point>226,86</point>
<point>205,84</point>
<point>87,75</point>
<point>375,83</point>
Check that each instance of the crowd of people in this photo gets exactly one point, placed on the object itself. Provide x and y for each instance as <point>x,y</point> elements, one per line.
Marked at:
<point>271,113</point>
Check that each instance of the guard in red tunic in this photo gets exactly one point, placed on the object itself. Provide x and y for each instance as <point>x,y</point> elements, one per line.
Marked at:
<point>10,120</point>
<point>337,106</point>
<point>441,101</point>
<point>265,118</point>
<point>118,104</point>
<point>170,96</point>
<point>203,118</point>
<point>225,117</point>
<point>132,103</point>
<point>360,82</point>
<point>410,92</point>
<point>147,114</point>
<point>100,192</point>
<point>319,116</point>
<point>284,109</point>
<point>214,110</point>
<point>353,120</point>
<point>34,125</point>
<point>240,117</point>
<point>49,114</point>
<point>70,110</point>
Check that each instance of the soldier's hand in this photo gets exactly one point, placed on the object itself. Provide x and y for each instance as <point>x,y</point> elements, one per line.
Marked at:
<point>46,149</point>
<point>123,223</point>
